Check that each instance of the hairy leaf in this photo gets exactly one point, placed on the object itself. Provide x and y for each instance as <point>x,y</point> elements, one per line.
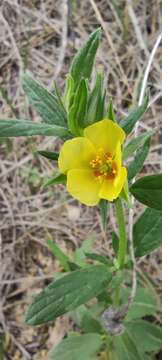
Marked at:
<point>129,122</point>
<point>147,232</point>
<point>45,103</point>
<point>83,61</point>
<point>15,128</point>
<point>148,191</point>
<point>67,293</point>
<point>80,347</point>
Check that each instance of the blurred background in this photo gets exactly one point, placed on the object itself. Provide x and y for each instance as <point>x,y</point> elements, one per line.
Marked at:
<point>42,36</point>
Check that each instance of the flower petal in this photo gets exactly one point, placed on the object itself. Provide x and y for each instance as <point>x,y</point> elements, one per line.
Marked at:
<point>111,189</point>
<point>105,134</point>
<point>76,154</point>
<point>83,186</point>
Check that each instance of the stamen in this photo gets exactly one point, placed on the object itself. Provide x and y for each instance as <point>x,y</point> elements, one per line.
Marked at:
<point>104,166</point>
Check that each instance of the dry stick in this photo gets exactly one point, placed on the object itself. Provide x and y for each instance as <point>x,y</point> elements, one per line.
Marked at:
<point>131,212</point>
<point>109,40</point>
<point>16,50</point>
<point>60,63</point>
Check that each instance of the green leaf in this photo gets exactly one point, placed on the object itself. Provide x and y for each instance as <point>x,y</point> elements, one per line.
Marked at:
<point>58,253</point>
<point>48,154</point>
<point>79,255</point>
<point>15,128</point>
<point>150,334</point>
<point>148,191</point>
<point>129,122</point>
<point>86,321</point>
<point>104,207</point>
<point>83,61</point>
<point>78,110</point>
<point>67,293</point>
<point>147,232</point>
<point>69,92</point>
<point>44,102</point>
<point>110,112</point>
<point>80,347</point>
<point>144,303</point>
<point>137,142</point>
<point>137,164</point>
<point>100,258</point>
<point>115,243</point>
<point>60,179</point>
<point>96,102</point>
<point>125,348</point>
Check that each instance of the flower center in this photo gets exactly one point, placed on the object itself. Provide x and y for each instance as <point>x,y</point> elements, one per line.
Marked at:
<point>104,166</point>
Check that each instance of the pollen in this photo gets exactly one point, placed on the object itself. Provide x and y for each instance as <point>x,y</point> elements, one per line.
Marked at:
<point>104,166</point>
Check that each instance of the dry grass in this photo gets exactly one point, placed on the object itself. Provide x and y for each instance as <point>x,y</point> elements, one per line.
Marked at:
<point>42,36</point>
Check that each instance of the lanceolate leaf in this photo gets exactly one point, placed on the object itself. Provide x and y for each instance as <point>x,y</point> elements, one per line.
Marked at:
<point>60,179</point>
<point>144,303</point>
<point>137,164</point>
<point>96,102</point>
<point>129,122</point>
<point>110,112</point>
<point>15,128</point>
<point>148,191</point>
<point>44,102</point>
<point>136,143</point>
<point>59,254</point>
<point>83,61</point>
<point>69,92</point>
<point>147,232</point>
<point>78,110</point>
<point>80,347</point>
<point>152,342</point>
<point>48,154</point>
<point>104,207</point>
<point>67,293</point>
<point>125,348</point>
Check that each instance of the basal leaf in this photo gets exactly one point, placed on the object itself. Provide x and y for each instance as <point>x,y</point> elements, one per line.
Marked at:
<point>80,347</point>
<point>144,303</point>
<point>83,61</point>
<point>147,335</point>
<point>147,232</point>
<point>137,164</point>
<point>125,348</point>
<point>15,128</point>
<point>148,191</point>
<point>67,293</point>
<point>44,102</point>
<point>129,122</point>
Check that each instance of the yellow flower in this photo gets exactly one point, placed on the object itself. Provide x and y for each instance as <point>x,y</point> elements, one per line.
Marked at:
<point>93,163</point>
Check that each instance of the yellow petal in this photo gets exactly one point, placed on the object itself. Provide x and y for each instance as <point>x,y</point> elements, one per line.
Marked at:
<point>118,155</point>
<point>76,154</point>
<point>105,134</point>
<point>83,186</point>
<point>111,189</point>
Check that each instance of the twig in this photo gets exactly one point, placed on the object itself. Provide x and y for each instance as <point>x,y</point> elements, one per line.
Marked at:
<point>64,37</point>
<point>131,212</point>
<point>109,40</point>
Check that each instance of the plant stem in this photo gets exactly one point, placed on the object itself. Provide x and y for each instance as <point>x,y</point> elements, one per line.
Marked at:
<point>122,232</point>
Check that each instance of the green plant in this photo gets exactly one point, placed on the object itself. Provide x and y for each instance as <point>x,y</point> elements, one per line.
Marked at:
<point>113,325</point>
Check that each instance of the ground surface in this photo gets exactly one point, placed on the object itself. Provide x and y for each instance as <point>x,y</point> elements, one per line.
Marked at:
<point>42,36</point>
